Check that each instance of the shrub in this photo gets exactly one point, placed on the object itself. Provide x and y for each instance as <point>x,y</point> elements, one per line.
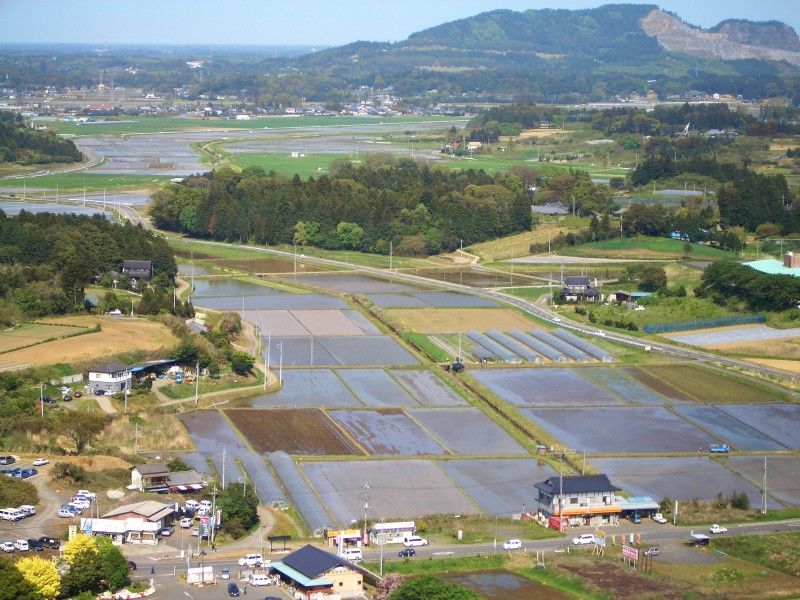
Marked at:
<point>740,500</point>
<point>14,492</point>
<point>75,473</point>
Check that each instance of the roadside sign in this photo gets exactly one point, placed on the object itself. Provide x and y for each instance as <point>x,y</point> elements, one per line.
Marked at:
<point>630,553</point>
<point>599,540</point>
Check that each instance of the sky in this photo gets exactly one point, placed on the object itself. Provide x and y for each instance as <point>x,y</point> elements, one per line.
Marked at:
<point>301,22</point>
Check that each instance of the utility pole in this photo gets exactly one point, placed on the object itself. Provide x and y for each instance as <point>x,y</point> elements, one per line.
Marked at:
<point>224,452</point>
<point>213,516</point>
<point>41,397</point>
<point>391,250</point>
<point>366,488</point>
<point>764,501</point>
<point>197,384</point>
<point>382,537</point>
<point>295,260</point>
<point>280,366</point>
<point>135,439</point>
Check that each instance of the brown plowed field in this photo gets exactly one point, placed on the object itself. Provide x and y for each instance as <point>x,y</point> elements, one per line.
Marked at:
<point>306,431</point>
<point>459,320</point>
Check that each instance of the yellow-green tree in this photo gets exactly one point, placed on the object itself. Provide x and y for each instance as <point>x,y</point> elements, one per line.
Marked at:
<point>78,545</point>
<point>41,574</point>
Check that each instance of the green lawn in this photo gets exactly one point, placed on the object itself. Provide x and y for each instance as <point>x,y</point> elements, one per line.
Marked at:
<point>777,551</point>
<point>644,247</point>
<point>164,124</point>
<point>225,382</point>
<point>93,182</point>
<point>308,166</point>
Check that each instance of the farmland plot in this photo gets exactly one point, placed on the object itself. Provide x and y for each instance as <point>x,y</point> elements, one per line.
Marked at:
<point>681,478</point>
<point>729,429</point>
<point>783,473</point>
<point>543,387</point>
<point>708,386</point>
<point>211,432</point>
<point>778,421</point>
<point>466,431</point>
<point>375,387</point>
<point>33,333</point>
<point>386,432</point>
<point>227,287</point>
<point>307,388</point>
<point>399,489</point>
<point>621,383</point>
<point>620,429</point>
<point>356,284</point>
<point>304,431</point>
<point>499,486</point>
<point>275,301</point>
<point>428,389</point>
<point>327,322</point>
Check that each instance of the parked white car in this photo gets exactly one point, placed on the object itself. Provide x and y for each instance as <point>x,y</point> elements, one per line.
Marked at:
<point>259,579</point>
<point>251,560</point>
<point>40,462</point>
<point>7,546</point>
<point>659,518</point>
<point>27,509</point>
<point>512,544</point>
<point>86,493</point>
<point>715,528</point>
<point>583,539</point>
<point>206,504</point>
<point>186,523</point>
<point>192,505</point>
<point>66,512</point>
<point>21,545</point>
<point>414,540</point>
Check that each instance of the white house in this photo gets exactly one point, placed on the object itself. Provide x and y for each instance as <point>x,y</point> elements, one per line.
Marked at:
<point>579,499</point>
<point>110,378</point>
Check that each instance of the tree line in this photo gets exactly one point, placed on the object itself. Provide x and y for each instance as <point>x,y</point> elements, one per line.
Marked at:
<point>46,260</point>
<point>734,284</point>
<point>22,144</point>
<point>417,208</point>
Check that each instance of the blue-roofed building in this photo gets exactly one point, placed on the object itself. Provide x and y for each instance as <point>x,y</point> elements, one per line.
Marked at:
<point>771,266</point>
<point>312,570</point>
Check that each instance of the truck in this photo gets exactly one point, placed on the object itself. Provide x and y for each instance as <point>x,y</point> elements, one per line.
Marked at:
<point>719,448</point>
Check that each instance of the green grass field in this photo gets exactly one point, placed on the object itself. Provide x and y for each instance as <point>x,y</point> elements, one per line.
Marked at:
<point>76,182</point>
<point>643,247</point>
<point>163,124</point>
<point>778,551</point>
<point>308,166</point>
<point>712,387</point>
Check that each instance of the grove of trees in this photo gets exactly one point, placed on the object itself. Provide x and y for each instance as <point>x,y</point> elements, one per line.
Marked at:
<point>417,208</point>
<point>22,144</point>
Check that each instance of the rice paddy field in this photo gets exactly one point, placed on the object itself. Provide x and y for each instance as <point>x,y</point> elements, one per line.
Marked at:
<point>387,432</point>
<point>458,320</point>
<point>710,387</point>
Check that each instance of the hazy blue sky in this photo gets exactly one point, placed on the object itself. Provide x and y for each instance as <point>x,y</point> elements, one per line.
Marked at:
<point>280,22</point>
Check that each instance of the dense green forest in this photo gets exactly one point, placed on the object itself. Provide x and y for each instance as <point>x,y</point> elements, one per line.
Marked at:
<point>46,260</point>
<point>22,144</point>
<point>420,209</point>
<point>534,55</point>
<point>731,283</point>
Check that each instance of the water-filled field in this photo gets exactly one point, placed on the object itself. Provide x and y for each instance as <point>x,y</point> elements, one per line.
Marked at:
<point>466,431</point>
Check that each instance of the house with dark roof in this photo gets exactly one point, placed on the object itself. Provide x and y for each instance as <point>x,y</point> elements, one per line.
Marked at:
<point>137,270</point>
<point>109,377</point>
<point>311,570</point>
<point>156,477</point>
<point>579,499</point>
<point>556,208</point>
<point>579,287</point>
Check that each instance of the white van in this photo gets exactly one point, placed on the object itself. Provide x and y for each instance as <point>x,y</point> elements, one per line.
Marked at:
<point>414,540</point>
<point>259,579</point>
<point>11,514</point>
<point>351,554</point>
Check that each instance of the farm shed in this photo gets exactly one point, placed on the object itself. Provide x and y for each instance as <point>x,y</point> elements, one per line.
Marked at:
<point>312,570</point>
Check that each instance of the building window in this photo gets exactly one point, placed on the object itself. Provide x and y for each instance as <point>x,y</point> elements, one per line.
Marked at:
<point>573,500</point>
<point>341,583</point>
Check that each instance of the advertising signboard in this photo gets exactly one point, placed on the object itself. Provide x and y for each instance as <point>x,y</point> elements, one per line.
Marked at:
<point>630,553</point>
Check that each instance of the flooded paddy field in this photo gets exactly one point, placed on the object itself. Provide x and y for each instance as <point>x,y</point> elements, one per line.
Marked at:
<point>466,430</point>
<point>681,478</point>
<point>500,486</point>
<point>620,429</point>
<point>386,432</point>
<point>400,489</point>
<point>729,429</point>
<point>537,387</point>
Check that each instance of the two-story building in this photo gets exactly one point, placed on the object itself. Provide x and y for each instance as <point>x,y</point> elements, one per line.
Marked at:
<point>109,378</point>
<point>579,500</point>
<point>138,271</point>
<point>579,287</point>
<point>313,571</point>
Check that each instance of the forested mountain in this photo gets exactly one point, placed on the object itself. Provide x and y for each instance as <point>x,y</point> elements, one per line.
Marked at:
<point>535,55</point>
<point>22,144</point>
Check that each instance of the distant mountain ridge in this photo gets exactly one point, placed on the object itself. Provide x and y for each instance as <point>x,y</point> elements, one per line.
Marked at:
<point>590,53</point>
